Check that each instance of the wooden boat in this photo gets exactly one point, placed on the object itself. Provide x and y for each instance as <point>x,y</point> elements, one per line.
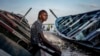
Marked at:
<point>81,28</point>
<point>14,35</point>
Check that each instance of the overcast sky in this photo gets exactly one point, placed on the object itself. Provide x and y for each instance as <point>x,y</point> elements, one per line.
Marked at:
<point>60,7</point>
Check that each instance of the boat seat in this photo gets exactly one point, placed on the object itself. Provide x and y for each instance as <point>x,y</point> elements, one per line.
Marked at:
<point>11,47</point>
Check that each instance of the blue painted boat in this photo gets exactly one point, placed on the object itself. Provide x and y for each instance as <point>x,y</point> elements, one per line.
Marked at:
<point>81,28</point>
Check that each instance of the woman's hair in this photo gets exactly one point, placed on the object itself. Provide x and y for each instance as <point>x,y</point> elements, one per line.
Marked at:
<point>41,11</point>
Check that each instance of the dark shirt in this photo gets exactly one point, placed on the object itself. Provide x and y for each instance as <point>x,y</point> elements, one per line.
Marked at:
<point>35,30</point>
